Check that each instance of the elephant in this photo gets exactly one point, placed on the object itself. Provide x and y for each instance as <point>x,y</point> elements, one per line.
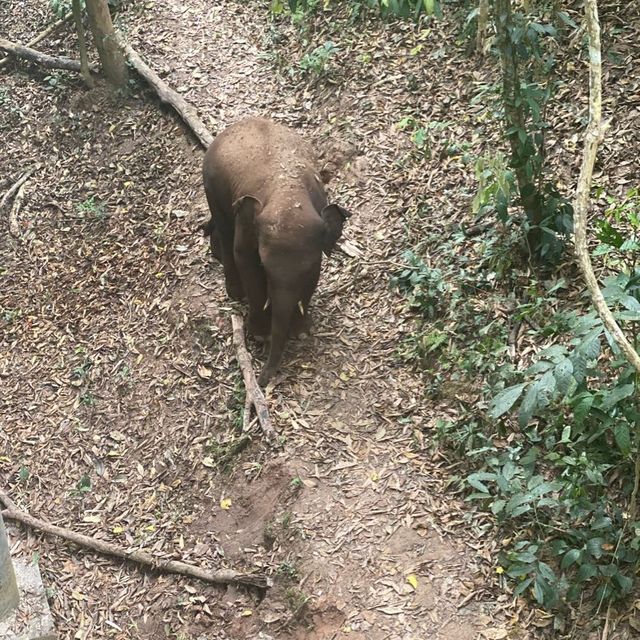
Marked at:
<point>270,224</point>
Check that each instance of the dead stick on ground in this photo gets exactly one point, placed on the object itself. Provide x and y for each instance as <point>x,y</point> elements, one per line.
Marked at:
<point>246,416</point>
<point>225,576</point>
<point>14,227</point>
<point>43,59</point>
<point>7,196</point>
<point>253,391</point>
<point>186,111</point>
<point>41,36</point>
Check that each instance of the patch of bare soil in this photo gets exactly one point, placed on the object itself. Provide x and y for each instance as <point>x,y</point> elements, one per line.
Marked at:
<point>118,384</point>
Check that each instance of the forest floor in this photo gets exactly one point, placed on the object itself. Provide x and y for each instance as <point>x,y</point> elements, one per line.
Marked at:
<point>119,390</point>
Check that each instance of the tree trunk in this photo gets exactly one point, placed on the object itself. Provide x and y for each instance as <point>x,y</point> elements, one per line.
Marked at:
<point>515,119</point>
<point>84,63</point>
<point>483,20</point>
<point>111,56</point>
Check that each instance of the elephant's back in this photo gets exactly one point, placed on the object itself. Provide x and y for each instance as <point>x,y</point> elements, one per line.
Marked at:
<point>257,154</point>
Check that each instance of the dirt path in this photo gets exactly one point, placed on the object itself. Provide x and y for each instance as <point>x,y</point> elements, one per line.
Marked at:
<point>372,512</point>
<point>121,333</point>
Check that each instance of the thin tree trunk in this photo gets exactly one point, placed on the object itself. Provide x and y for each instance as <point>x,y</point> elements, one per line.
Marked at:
<point>483,20</point>
<point>82,46</point>
<point>593,136</point>
<point>111,56</point>
<point>514,118</point>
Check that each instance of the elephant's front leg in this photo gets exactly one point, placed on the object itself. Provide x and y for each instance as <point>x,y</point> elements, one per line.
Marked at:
<point>222,241</point>
<point>254,283</point>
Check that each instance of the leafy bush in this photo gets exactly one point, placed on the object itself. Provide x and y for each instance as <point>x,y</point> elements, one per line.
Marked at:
<point>559,480</point>
<point>317,61</point>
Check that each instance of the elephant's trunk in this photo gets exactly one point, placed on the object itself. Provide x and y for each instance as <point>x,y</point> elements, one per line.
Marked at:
<point>283,304</point>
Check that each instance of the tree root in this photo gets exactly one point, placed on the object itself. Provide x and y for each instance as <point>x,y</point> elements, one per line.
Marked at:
<point>19,187</point>
<point>224,576</point>
<point>14,226</point>
<point>166,94</point>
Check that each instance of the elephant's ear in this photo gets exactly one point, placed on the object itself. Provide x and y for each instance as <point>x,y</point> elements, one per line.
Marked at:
<point>246,208</point>
<point>334,217</point>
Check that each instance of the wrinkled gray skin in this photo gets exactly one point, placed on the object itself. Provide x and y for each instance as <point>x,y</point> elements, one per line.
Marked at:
<point>270,223</point>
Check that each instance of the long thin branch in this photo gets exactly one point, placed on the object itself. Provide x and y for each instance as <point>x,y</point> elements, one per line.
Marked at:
<point>593,136</point>
<point>43,59</point>
<point>253,391</point>
<point>186,111</point>
<point>21,180</point>
<point>225,576</point>
<point>41,36</point>
<point>14,225</point>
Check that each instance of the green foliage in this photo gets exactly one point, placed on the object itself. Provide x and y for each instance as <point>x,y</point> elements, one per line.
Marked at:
<point>423,286</point>
<point>317,61</point>
<point>400,8</point>
<point>62,8</point>
<point>83,485</point>
<point>424,138</point>
<point>526,44</point>
<point>455,340</point>
<point>551,447</point>
<point>496,185</point>
<point>92,208</point>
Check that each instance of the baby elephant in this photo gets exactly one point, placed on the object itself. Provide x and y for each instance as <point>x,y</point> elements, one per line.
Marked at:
<point>270,223</point>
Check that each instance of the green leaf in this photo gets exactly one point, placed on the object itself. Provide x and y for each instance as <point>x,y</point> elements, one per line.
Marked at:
<point>594,547</point>
<point>616,394</point>
<point>529,405</point>
<point>475,480</point>
<point>582,407</point>
<point>564,376</point>
<point>625,583</point>
<point>623,438</point>
<point>501,403</point>
<point>522,586</point>
<point>497,506</point>
<point>571,557</point>
<point>538,396</point>
<point>586,572</point>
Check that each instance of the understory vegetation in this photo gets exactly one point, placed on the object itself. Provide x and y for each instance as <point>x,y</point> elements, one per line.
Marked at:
<point>548,421</point>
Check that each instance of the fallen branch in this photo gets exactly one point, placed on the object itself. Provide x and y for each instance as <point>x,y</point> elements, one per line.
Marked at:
<point>15,187</point>
<point>254,393</point>
<point>43,59</point>
<point>41,36</point>
<point>225,576</point>
<point>14,227</point>
<point>166,94</point>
